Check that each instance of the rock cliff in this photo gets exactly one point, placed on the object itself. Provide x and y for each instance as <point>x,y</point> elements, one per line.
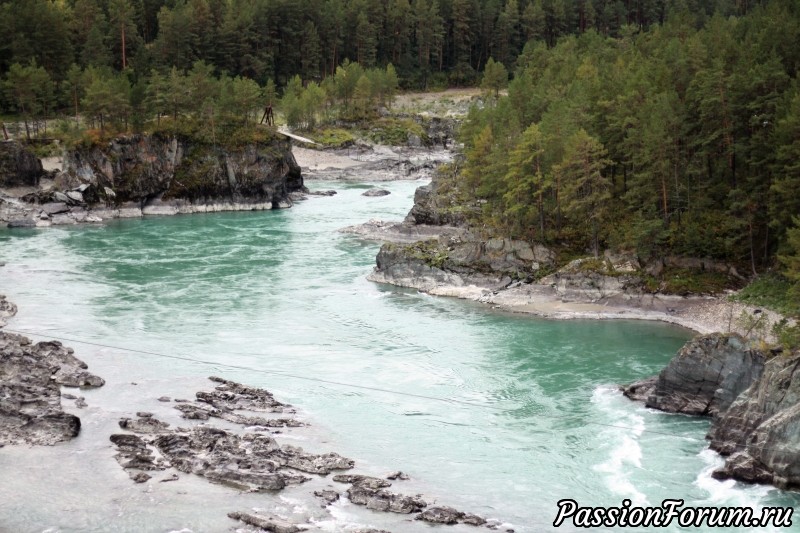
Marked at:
<point>19,167</point>
<point>136,175</point>
<point>752,395</point>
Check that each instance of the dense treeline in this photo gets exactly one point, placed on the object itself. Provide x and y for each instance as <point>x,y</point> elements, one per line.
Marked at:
<point>445,41</point>
<point>672,141</point>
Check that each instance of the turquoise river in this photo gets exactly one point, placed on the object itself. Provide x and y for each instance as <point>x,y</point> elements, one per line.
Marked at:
<point>537,415</point>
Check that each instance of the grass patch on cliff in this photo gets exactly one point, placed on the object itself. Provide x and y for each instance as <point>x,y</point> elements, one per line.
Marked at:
<point>771,291</point>
<point>226,135</point>
<point>684,282</point>
<point>395,131</point>
<point>333,137</point>
<point>429,252</point>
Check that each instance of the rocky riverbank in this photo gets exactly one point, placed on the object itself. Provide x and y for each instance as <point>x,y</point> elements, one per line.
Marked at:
<point>753,396</point>
<point>434,250</point>
<point>251,459</point>
<point>751,392</point>
<point>229,435</point>
<point>138,175</point>
<point>31,377</point>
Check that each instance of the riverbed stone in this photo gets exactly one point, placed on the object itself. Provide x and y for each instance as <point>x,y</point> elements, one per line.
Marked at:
<point>266,523</point>
<point>375,192</point>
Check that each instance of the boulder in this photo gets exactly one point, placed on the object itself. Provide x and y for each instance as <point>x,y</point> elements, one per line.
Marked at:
<point>22,223</point>
<point>54,208</point>
<point>75,197</point>
<point>375,192</point>
<point>266,523</point>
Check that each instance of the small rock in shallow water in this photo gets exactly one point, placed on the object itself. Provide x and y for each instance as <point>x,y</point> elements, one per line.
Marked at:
<point>375,192</point>
<point>173,477</point>
<point>68,396</point>
<point>267,523</point>
<point>441,515</point>
<point>139,477</point>
<point>144,414</point>
<point>133,453</point>
<point>448,515</point>
<point>143,425</point>
<point>369,481</point>
<point>80,402</point>
<point>165,399</point>
<point>329,496</point>
<point>402,476</point>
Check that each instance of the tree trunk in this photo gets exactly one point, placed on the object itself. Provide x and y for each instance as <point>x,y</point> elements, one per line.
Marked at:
<point>124,57</point>
<point>752,248</point>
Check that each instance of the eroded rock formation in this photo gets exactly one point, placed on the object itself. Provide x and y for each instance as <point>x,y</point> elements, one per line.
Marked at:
<point>31,376</point>
<point>753,396</point>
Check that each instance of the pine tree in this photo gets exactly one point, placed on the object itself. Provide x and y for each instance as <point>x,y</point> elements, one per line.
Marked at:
<point>525,183</point>
<point>311,53</point>
<point>587,192</point>
<point>495,77</point>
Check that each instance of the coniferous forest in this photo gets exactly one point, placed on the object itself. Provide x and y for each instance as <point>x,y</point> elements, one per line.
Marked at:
<point>652,126</point>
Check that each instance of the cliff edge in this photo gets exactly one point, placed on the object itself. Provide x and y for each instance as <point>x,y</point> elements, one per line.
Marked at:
<point>136,175</point>
<point>753,396</point>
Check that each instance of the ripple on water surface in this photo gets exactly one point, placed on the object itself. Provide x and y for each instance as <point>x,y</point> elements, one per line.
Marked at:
<point>284,293</point>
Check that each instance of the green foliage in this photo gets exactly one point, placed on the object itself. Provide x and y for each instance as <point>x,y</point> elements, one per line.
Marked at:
<point>429,252</point>
<point>791,262</point>
<point>30,90</point>
<point>788,335</point>
<point>684,282</point>
<point>772,291</point>
<point>495,77</point>
<point>680,140</point>
<point>754,325</point>
<point>394,131</point>
<point>333,137</point>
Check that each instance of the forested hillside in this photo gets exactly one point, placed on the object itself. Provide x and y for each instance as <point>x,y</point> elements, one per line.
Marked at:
<point>129,61</point>
<point>653,126</point>
<point>683,140</point>
<point>277,39</point>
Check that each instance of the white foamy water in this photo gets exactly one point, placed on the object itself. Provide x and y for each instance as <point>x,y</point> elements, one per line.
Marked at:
<point>282,293</point>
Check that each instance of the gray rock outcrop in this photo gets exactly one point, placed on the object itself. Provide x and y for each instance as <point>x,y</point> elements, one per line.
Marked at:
<point>753,397</point>
<point>30,392</point>
<point>19,167</point>
<point>761,430</point>
<point>704,378</point>
<point>140,168</point>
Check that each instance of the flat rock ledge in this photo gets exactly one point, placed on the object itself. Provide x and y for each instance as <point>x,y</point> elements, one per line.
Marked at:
<point>753,397</point>
<point>252,460</point>
<point>31,376</point>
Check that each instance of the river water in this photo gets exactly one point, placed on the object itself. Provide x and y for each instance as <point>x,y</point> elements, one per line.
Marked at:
<point>521,412</point>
